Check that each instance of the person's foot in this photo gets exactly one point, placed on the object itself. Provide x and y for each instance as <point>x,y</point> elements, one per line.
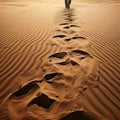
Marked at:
<point>67,6</point>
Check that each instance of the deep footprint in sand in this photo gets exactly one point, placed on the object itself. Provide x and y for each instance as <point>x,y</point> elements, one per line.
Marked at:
<point>59,36</point>
<point>63,24</point>
<point>70,26</point>
<point>73,63</point>
<point>25,89</point>
<point>50,76</point>
<point>67,39</point>
<point>82,115</point>
<point>65,58</point>
<point>81,52</point>
<point>67,27</point>
<point>74,26</point>
<point>59,55</point>
<point>42,101</point>
<point>75,38</point>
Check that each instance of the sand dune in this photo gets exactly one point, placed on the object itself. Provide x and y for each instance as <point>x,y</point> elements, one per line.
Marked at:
<point>59,64</point>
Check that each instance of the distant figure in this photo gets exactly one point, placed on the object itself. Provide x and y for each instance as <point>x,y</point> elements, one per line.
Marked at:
<point>67,3</point>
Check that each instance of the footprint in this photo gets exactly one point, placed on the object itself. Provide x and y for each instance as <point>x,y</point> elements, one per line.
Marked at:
<point>24,90</point>
<point>67,39</point>
<point>83,115</point>
<point>66,63</point>
<point>60,55</point>
<point>63,24</point>
<point>77,37</point>
<point>63,63</point>
<point>70,19</point>
<point>51,75</point>
<point>42,101</point>
<point>80,52</point>
<point>73,63</point>
<point>59,36</point>
<point>74,26</point>
<point>69,55</point>
<point>66,27</point>
<point>77,115</point>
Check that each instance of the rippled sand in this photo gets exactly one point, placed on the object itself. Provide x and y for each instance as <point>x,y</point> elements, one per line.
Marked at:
<point>57,63</point>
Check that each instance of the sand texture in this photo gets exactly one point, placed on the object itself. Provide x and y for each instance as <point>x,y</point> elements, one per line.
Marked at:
<point>57,63</point>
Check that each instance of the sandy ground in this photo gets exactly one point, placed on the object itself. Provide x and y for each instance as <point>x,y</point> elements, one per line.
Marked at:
<point>57,63</point>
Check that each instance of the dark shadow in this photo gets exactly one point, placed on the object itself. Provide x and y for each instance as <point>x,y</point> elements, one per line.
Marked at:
<point>59,55</point>
<point>25,89</point>
<point>42,101</point>
<point>51,75</point>
<point>80,115</point>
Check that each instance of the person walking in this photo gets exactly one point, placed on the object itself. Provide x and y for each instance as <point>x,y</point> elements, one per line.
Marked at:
<point>67,3</point>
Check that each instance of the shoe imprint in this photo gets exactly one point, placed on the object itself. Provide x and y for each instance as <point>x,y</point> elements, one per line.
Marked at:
<point>59,36</point>
<point>42,101</point>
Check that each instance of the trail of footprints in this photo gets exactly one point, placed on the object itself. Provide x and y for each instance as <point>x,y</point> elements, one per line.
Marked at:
<point>66,36</point>
<point>37,93</point>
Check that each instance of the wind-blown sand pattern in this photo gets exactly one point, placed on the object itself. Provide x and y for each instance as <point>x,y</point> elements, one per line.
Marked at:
<point>59,64</point>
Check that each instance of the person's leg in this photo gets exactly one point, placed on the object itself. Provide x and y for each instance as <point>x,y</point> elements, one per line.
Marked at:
<point>66,3</point>
<point>69,2</point>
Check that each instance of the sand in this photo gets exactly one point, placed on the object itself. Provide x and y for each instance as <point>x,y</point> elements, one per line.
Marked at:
<point>57,63</point>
